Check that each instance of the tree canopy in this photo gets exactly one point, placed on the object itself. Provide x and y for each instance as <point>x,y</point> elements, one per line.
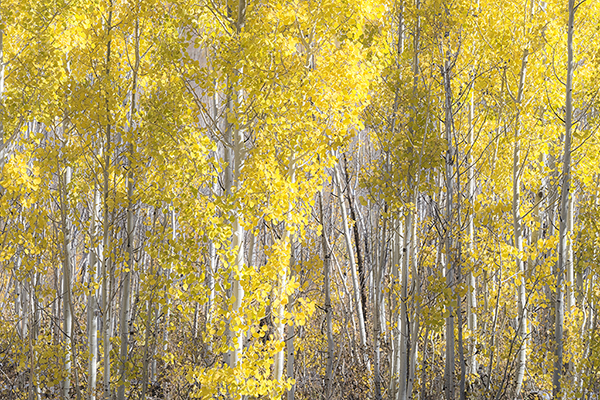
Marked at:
<point>299,199</point>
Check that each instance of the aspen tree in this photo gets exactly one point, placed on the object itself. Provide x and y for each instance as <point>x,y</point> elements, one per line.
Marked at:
<point>291,331</point>
<point>283,297</point>
<point>64,181</point>
<point>128,268</point>
<point>564,198</point>
<point>234,156</point>
<point>518,240</point>
<point>360,263</point>
<point>92,318</point>
<point>450,279</point>
<point>328,308</point>
<point>348,240</point>
<point>472,292</point>
<point>570,261</point>
<point>106,234</point>
<point>409,250</point>
<point>397,322</point>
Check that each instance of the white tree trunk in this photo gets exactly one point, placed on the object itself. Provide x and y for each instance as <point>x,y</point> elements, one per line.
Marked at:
<point>289,342</point>
<point>570,258</point>
<point>394,315</point>
<point>126,291</point>
<point>450,156</point>
<point>518,237</point>
<point>280,325</point>
<point>92,300</point>
<point>106,238</point>
<point>235,141</point>
<point>472,292</point>
<point>328,310</point>
<point>237,244</point>
<point>564,197</point>
<point>416,313</point>
<point>351,261</point>
<point>404,324</point>
<point>64,181</point>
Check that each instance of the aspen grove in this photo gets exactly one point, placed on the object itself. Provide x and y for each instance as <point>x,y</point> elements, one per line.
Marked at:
<point>299,199</point>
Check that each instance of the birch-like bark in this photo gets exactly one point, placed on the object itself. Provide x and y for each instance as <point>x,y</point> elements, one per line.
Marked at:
<point>356,234</point>
<point>289,342</point>
<point>394,316</point>
<point>210,277</point>
<point>237,338</point>
<point>235,146</point>
<point>34,310</point>
<point>517,230</point>
<point>125,298</point>
<point>408,339</point>
<point>106,284</point>
<point>472,292</point>
<point>280,324</point>
<point>106,238</point>
<point>328,309</point>
<point>378,309</point>
<point>64,181</point>
<point>212,252</point>
<point>19,302</point>
<point>167,273</point>
<point>564,198</point>
<point>92,300</point>
<point>404,320</point>
<point>449,161</point>
<point>147,333</point>
<point>351,261</point>
<point>413,337</point>
<point>396,337</point>
<point>570,284</point>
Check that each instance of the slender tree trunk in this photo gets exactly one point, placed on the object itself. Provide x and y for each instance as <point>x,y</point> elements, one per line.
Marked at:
<point>106,290</point>
<point>570,284</point>
<point>394,315</point>
<point>35,393</point>
<point>237,338</point>
<point>149,316</point>
<point>280,324</point>
<point>396,336</point>
<point>450,155</point>
<point>564,197</point>
<point>126,300</point>
<point>106,242</point>
<point>235,141</point>
<point>405,323</point>
<point>210,277</point>
<point>92,302</point>
<point>64,181</point>
<point>518,238</point>
<point>289,342</point>
<point>355,231</point>
<point>378,306</point>
<point>351,260</point>
<point>19,302</point>
<point>413,337</point>
<point>472,292</point>
<point>328,309</point>
<point>493,330</point>
<point>166,310</point>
